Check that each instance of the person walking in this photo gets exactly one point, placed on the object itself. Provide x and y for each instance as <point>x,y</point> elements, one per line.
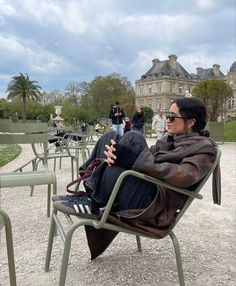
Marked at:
<point>117,115</point>
<point>138,120</point>
<point>159,124</point>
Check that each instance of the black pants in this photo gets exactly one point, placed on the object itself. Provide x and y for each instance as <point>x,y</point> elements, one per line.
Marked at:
<point>134,193</point>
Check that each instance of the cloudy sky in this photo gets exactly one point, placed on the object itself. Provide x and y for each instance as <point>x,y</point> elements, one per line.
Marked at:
<point>58,41</point>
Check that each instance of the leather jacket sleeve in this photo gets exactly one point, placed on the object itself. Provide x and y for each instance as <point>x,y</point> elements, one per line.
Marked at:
<point>184,172</point>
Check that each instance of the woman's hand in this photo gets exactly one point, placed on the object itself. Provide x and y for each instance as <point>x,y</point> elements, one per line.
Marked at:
<point>110,149</point>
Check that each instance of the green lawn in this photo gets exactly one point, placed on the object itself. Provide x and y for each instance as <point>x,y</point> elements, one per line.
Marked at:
<point>230,131</point>
<point>8,153</point>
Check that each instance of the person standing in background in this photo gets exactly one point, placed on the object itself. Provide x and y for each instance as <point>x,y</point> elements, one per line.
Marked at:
<point>117,115</point>
<point>159,124</point>
<point>138,120</point>
<point>127,124</point>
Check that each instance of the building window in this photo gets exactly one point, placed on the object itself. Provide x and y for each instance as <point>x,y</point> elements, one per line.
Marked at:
<point>172,87</point>
<point>158,104</point>
<point>141,102</point>
<point>149,103</point>
<point>150,89</point>
<point>141,91</point>
<point>231,102</point>
<point>180,89</point>
<point>159,88</point>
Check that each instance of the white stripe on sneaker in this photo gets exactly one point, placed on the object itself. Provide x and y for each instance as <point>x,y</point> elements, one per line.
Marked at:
<point>88,209</point>
<point>82,210</point>
<point>76,209</point>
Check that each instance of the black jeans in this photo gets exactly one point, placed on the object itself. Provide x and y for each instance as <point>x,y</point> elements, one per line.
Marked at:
<point>134,193</point>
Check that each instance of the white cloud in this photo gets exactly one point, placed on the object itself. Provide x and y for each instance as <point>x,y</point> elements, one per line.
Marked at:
<point>205,3</point>
<point>58,41</point>
<point>159,28</point>
<point>199,59</point>
<point>6,8</point>
<point>31,56</point>
<point>72,16</point>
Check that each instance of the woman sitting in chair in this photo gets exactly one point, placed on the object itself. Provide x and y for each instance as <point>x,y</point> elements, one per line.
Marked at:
<point>181,158</point>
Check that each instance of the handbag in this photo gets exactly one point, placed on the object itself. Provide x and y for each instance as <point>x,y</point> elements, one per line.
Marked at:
<point>84,175</point>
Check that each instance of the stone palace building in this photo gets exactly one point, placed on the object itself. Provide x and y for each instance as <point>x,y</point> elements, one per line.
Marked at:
<point>167,80</point>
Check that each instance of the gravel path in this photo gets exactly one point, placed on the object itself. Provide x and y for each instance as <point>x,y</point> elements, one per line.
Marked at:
<point>207,236</point>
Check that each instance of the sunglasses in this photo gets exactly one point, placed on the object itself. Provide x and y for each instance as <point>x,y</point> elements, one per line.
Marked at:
<point>171,117</point>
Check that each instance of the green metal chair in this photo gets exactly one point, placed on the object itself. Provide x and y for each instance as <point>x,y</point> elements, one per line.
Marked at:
<point>77,143</point>
<point>6,222</point>
<point>62,151</point>
<point>27,133</point>
<point>67,234</point>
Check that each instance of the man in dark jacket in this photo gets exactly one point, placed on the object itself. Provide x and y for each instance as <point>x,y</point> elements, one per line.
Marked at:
<point>117,115</point>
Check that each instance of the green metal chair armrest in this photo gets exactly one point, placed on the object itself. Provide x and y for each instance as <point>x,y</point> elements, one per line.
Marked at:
<point>27,178</point>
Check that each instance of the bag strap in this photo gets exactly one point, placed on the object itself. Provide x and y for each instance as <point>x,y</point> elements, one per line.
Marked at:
<point>85,174</point>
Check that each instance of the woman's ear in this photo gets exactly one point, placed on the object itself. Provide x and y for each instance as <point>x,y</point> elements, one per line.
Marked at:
<point>191,123</point>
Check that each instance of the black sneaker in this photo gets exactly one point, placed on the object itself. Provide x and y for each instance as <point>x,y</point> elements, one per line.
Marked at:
<point>82,206</point>
<point>68,197</point>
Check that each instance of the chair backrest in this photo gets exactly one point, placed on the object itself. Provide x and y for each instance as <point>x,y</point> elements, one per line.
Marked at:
<point>24,133</point>
<point>200,185</point>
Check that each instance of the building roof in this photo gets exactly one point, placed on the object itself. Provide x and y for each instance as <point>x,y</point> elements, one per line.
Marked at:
<point>172,68</point>
<point>166,68</point>
<point>233,67</point>
<point>210,73</point>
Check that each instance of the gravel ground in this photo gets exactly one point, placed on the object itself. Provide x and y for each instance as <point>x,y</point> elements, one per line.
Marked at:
<point>207,236</point>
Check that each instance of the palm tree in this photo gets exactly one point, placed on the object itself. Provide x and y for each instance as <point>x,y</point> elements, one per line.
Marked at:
<point>25,89</point>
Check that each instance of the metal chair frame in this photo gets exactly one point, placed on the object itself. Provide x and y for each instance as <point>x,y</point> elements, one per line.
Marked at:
<point>6,222</point>
<point>27,133</point>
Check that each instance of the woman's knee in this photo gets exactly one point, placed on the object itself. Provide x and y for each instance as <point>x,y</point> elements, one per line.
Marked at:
<point>106,138</point>
<point>133,139</point>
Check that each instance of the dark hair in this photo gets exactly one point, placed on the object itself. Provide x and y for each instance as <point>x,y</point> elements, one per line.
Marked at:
<point>193,108</point>
<point>139,113</point>
<point>117,103</point>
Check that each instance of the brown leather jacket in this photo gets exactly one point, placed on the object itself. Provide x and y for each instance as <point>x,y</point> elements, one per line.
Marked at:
<point>182,161</point>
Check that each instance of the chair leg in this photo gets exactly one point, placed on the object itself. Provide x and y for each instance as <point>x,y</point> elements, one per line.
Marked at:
<point>66,252</point>
<point>60,163</point>
<point>50,242</point>
<point>35,167</point>
<point>10,251</point>
<point>49,200</point>
<point>54,166</point>
<point>65,258</point>
<point>72,168</point>
<point>178,258</point>
<point>138,240</point>
<point>77,167</point>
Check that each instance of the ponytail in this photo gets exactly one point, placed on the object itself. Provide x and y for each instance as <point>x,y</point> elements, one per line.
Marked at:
<point>205,133</point>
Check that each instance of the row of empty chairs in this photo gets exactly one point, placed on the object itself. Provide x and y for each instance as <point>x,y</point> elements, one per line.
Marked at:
<point>24,133</point>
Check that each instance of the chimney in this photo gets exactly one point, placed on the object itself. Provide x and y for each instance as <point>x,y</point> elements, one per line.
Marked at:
<point>173,60</point>
<point>155,61</point>
<point>216,69</point>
